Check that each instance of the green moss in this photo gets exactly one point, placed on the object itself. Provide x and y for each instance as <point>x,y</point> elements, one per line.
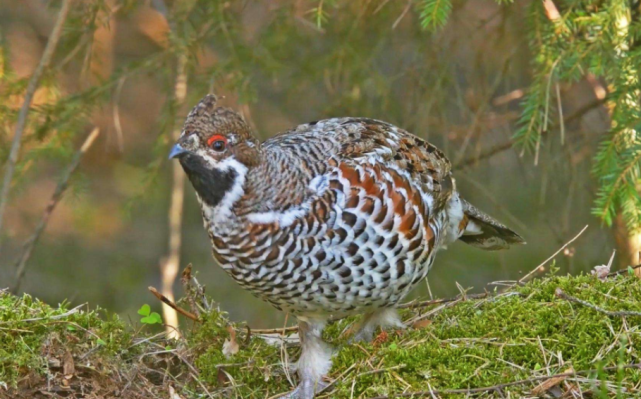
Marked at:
<point>28,327</point>
<point>526,333</point>
<point>470,344</point>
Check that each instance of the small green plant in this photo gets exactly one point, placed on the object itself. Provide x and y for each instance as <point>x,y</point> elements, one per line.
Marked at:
<point>149,317</point>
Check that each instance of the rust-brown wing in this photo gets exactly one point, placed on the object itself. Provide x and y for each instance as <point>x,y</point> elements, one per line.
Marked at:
<point>379,142</point>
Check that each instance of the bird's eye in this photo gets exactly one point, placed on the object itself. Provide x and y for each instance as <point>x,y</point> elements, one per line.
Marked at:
<point>217,143</point>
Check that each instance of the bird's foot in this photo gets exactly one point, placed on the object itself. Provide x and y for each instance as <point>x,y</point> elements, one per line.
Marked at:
<point>385,318</point>
<point>314,362</point>
<point>362,335</point>
<point>305,390</point>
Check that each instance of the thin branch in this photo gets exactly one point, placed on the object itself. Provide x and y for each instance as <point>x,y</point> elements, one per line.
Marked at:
<point>116,115</point>
<point>499,148</point>
<point>52,43</point>
<point>400,18</point>
<point>500,387</point>
<point>536,269</point>
<point>559,293</point>
<point>30,244</point>
<point>623,271</point>
<point>171,304</point>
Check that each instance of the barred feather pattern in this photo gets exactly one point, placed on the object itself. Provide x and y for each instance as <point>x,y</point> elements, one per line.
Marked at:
<point>339,216</point>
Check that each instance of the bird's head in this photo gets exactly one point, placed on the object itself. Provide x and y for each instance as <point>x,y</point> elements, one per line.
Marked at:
<point>216,148</point>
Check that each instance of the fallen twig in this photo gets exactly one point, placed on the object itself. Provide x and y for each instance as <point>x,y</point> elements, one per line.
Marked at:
<point>171,304</point>
<point>623,271</point>
<point>500,387</point>
<point>56,317</point>
<point>559,293</point>
<point>193,373</point>
<point>336,380</point>
<point>30,244</point>
<point>279,330</point>
<point>398,367</point>
<point>52,43</point>
<point>414,305</point>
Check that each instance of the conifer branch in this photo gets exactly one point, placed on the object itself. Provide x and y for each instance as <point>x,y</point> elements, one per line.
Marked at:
<point>30,244</point>
<point>52,43</point>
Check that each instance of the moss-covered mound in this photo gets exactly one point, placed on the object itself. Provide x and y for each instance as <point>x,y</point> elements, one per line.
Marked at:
<point>572,336</point>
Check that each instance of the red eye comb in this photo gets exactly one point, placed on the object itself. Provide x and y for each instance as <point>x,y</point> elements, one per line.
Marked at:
<point>215,138</point>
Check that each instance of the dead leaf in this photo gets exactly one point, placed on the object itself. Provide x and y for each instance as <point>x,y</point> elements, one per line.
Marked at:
<point>230,346</point>
<point>53,362</point>
<point>601,272</point>
<point>68,366</point>
<point>421,324</point>
<point>223,378</point>
<point>550,383</point>
<point>380,338</point>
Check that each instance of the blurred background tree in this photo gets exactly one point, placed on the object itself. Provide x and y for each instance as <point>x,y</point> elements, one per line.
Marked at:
<point>559,79</point>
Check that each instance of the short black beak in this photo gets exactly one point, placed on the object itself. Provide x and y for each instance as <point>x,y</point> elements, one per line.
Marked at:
<point>176,151</point>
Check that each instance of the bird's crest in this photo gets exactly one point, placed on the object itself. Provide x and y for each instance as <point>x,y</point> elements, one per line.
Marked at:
<point>206,119</point>
<point>211,123</point>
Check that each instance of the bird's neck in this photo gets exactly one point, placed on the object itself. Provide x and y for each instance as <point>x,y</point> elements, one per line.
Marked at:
<point>218,189</point>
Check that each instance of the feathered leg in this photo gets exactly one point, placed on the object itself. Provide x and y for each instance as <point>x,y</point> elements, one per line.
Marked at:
<point>315,360</point>
<point>385,318</point>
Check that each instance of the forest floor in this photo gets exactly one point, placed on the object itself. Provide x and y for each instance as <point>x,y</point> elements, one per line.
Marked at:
<point>556,336</point>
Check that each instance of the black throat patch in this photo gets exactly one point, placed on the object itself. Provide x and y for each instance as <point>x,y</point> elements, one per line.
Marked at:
<point>210,184</point>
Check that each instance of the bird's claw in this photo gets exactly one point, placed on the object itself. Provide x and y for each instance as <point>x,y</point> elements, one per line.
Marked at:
<point>361,336</point>
<point>305,390</point>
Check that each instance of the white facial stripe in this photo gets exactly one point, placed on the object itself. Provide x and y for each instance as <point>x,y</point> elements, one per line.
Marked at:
<point>223,210</point>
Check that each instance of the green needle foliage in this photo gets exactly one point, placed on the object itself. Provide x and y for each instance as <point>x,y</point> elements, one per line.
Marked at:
<point>599,38</point>
<point>434,13</point>
<point>590,37</point>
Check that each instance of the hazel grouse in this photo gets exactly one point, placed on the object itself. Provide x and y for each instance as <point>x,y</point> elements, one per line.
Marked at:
<point>331,218</point>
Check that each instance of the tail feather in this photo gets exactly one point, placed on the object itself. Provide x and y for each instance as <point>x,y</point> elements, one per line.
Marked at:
<point>482,231</point>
